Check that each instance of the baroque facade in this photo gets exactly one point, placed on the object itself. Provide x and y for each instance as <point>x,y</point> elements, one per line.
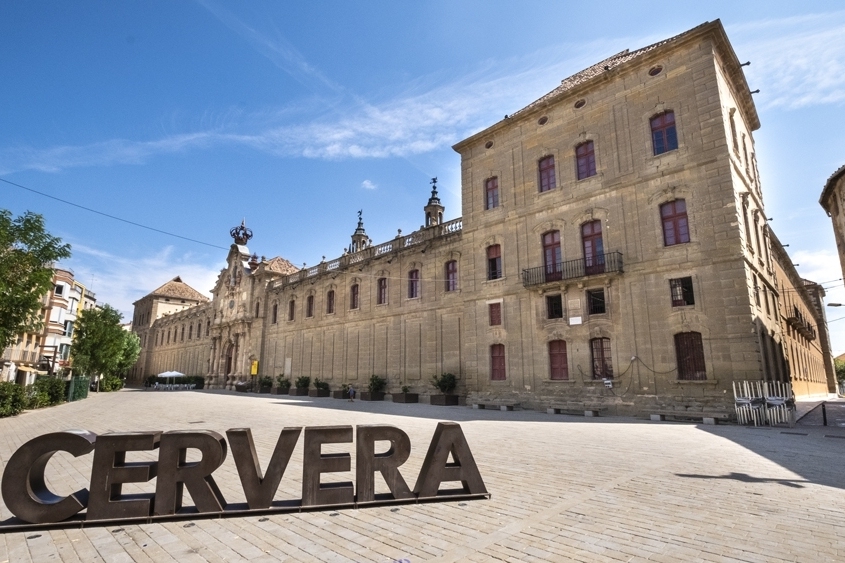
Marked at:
<point>612,252</point>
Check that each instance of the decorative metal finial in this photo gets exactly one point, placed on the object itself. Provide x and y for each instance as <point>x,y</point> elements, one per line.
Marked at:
<point>241,234</point>
<point>434,182</point>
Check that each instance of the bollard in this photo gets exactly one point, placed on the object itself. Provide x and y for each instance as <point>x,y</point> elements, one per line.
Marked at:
<point>824,415</point>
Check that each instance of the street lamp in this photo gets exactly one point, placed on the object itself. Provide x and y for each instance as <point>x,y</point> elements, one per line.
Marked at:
<point>834,304</point>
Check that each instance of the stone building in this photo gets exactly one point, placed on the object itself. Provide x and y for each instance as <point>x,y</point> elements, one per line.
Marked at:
<point>833,202</point>
<point>612,250</point>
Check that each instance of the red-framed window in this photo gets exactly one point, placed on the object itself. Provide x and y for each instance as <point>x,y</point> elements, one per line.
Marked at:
<point>353,296</point>
<point>546,167</point>
<point>675,225</point>
<point>552,256</point>
<point>381,293</point>
<point>497,362</point>
<point>600,353</point>
<point>413,284</point>
<point>593,243</point>
<point>451,275</point>
<point>664,136</point>
<point>495,313</point>
<point>690,354</point>
<point>558,367</point>
<point>585,160</point>
<point>330,302</point>
<point>275,313</point>
<point>494,262</point>
<point>491,193</point>
<point>291,310</point>
<point>309,306</point>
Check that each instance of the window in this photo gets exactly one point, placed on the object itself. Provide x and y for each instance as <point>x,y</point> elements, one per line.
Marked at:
<point>495,313</point>
<point>64,351</point>
<point>593,242</point>
<point>182,337</point>
<point>552,257</point>
<point>690,354</point>
<point>353,296</point>
<point>309,306</point>
<point>585,159</point>
<point>68,328</point>
<point>451,275</point>
<point>275,317</point>
<point>664,137</point>
<point>554,307</point>
<point>547,173</point>
<point>168,336</point>
<point>190,331</point>
<point>595,302</point>
<point>291,310</point>
<point>330,302</point>
<point>497,362</point>
<point>558,368</point>
<point>600,352</point>
<point>207,328</point>
<point>491,193</point>
<point>494,262</point>
<point>199,329</point>
<point>756,290</point>
<point>413,284</point>
<point>681,290</point>
<point>381,295</point>
<point>59,289</point>
<point>675,226</point>
<point>257,308</point>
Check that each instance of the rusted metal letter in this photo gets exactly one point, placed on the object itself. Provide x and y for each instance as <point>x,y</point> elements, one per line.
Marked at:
<point>24,491</point>
<point>367,462</point>
<point>259,491</point>
<point>314,463</point>
<point>448,438</point>
<point>110,471</point>
<point>174,471</point>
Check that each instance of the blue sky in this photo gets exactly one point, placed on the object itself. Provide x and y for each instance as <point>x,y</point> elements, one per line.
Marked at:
<point>189,116</point>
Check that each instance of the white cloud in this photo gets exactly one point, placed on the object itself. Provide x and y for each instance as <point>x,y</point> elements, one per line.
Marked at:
<point>368,185</point>
<point>122,280</point>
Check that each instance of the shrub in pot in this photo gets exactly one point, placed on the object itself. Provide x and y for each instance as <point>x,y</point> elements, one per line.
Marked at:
<point>282,385</point>
<point>342,393</point>
<point>321,389</point>
<point>406,396</point>
<point>445,383</point>
<point>265,383</point>
<point>375,389</point>
<point>302,385</point>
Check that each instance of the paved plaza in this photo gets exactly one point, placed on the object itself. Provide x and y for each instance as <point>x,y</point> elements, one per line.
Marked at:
<point>563,488</point>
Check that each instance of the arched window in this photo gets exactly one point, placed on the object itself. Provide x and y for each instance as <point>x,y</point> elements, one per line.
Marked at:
<point>585,160</point>
<point>494,262</point>
<point>207,328</point>
<point>558,367</point>
<point>546,167</point>
<point>330,302</point>
<point>257,308</point>
<point>190,331</point>
<point>451,275</point>
<point>664,137</point>
<point>675,225</point>
<point>275,313</point>
<point>291,310</point>
<point>309,306</point>
<point>182,338</point>
<point>690,354</point>
<point>600,352</point>
<point>199,329</point>
<point>413,284</point>
<point>497,362</point>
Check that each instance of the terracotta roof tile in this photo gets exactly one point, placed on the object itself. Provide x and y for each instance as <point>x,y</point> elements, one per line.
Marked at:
<point>178,289</point>
<point>281,266</point>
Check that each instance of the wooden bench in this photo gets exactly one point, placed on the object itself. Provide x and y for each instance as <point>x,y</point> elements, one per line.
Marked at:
<point>495,405</point>
<point>575,411</point>
<point>705,417</point>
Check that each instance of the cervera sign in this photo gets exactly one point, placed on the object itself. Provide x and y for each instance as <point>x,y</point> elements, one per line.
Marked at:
<point>28,497</point>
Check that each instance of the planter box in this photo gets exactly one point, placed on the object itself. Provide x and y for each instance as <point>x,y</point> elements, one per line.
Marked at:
<point>445,400</point>
<point>340,395</point>
<point>318,393</point>
<point>298,392</point>
<point>265,390</point>
<point>281,391</point>
<point>406,398</point>
<point>241,388</point>
<point>368,396</point>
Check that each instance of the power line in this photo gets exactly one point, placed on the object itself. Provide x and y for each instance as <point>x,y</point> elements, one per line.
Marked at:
<point>112,216</point>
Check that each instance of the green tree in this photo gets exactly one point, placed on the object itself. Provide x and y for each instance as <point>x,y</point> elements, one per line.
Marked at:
<point>839,366</point>
<point>27,254</point>
<point>98,342</point>
<point>131,351</point>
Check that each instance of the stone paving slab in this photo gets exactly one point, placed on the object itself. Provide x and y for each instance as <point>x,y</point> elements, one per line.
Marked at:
<point>563,488</point>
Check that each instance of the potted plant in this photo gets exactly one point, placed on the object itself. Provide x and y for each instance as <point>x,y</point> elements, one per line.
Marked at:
<point>406,396</point>
<point>265,383</point>
<point>445,383</point>
<point>375,390</point>
<point>321,388</point>
<point>302,385</point>
<point>282,385</point>
<point>242,386</point>
<point>342,393</point>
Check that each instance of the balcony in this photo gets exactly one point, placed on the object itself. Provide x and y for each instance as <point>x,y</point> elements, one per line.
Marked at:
<point>610,263</point>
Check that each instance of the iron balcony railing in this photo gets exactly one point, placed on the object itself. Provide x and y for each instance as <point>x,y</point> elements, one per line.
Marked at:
<point>572,269</point>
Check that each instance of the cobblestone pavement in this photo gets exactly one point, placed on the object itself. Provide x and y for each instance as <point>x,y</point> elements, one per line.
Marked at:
<point>563,488</point>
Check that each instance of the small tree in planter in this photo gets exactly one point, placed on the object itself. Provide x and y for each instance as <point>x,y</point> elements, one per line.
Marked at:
<point>342,393</point>
<point>375,390</point>
<point>302,385</point>
<point>406,396</point>
<point>321,389</point>
<point>445,383</point>
<point>282,385</point>
<point>265,383</point>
